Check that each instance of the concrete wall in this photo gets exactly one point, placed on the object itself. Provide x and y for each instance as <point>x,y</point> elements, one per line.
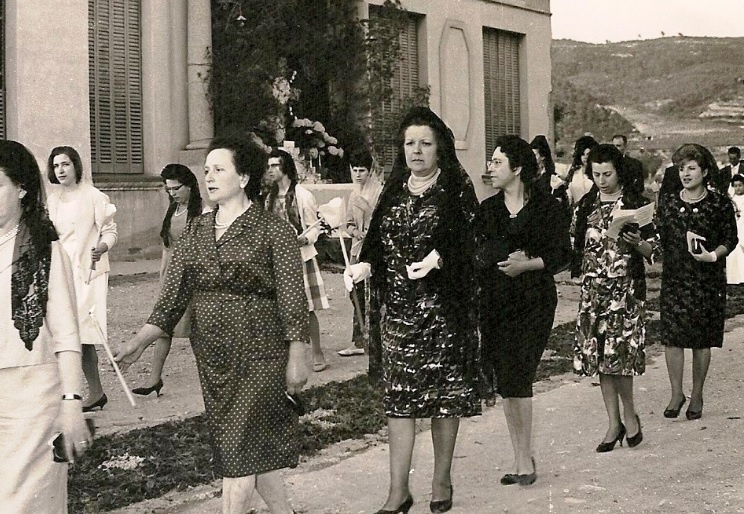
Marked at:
<point>47,76</point>
<point>451,61</point>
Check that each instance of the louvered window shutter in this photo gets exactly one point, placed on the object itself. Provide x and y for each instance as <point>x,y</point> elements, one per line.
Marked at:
<point>404,82</point>
<point>115,88</point>
<point>501,82</point>
<point>2,70</point>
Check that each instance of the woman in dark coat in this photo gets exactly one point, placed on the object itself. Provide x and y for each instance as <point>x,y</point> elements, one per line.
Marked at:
<point>697,227</point>
<point>522,236</point>
<point>240,268</point>
<point>419,252</point>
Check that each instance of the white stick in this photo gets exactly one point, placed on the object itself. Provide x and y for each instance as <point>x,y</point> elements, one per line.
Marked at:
<point>304,232</point>
<point>110,356</point>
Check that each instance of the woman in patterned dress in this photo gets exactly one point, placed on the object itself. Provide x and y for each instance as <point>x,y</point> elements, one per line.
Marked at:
<point>418,251</point>
<point>184,207</point>
<point>296,205</point>
<point>239,267</point>
<point>610,327</point>
<point>522,236</point>
<point>693,280</point>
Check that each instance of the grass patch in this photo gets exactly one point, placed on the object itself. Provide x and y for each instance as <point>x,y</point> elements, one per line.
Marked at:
<point>177,456</point>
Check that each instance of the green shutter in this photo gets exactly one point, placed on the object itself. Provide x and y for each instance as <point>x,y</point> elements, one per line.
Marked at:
<point>501,83</point>
<point>115,88</point>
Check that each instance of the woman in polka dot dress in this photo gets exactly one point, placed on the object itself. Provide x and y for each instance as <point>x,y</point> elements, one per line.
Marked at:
<point>240,268</point>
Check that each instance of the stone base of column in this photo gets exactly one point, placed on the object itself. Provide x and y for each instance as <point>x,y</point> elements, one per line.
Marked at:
<point>201,144</point>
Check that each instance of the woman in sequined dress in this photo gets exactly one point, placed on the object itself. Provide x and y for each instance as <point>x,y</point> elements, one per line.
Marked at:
<point>418,251</point>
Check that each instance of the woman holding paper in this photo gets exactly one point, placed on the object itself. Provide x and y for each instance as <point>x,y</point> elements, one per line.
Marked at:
<point>296,205</point>
<point>610,326</point>
<point>83,217</point>
<point>697,226</point>
<point>418,252</point>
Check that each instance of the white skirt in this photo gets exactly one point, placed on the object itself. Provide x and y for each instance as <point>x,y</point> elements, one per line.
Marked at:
<point>735,266</point>
<point>30,480</point>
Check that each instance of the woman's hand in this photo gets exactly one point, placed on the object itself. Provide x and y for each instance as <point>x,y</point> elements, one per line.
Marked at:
<point>422,268</point>
<point>303,240</point>
<point>97,252</point>
<point>633,239</point>
<point>128,354</point>
<point>77,438</point>
<point>356,273</point>
<point>515,264</point>
<point>297,371</point>
<point>705,256</point>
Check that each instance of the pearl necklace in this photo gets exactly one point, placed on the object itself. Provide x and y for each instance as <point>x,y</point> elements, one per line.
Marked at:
<point>220,226</point>
<point>176,213</point>
<point>9,235</point>
<point>686,197</point>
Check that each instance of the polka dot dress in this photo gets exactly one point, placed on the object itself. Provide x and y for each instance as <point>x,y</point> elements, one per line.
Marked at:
<point>247,295</point>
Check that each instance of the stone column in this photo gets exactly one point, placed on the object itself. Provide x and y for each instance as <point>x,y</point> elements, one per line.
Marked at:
<point>201,125</point>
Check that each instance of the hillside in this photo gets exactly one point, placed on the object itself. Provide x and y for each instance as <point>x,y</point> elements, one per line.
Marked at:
<point>693,84</point>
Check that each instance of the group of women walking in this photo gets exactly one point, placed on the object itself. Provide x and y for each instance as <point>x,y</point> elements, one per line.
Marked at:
<point>458,291</point>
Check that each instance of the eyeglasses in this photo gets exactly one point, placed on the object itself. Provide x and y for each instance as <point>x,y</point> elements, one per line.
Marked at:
<point>172,189</point>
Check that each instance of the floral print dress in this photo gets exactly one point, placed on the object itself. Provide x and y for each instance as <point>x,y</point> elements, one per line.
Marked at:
<point>610,326</point>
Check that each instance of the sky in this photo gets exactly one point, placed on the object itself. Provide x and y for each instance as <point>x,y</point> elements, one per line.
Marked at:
<point>597,21</point>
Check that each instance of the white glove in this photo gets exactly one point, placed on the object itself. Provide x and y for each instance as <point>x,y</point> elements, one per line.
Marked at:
<point>420,269</point>
<point>556,182</point>
<point>356,273</point>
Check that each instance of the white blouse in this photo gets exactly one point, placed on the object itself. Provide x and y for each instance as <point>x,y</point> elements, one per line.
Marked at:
<point>60,329</point>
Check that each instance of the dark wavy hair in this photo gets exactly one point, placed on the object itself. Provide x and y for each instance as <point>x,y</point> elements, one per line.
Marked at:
<point>519,153</point>
<point>606,152</point>
<point>289,168</point>
<point>21,167</point>
<point>580,146</point>
<point>699,154</point>
<point>540,143</point>
<point>249,160</point>
<point>185,177</point>
<point>74,157</point>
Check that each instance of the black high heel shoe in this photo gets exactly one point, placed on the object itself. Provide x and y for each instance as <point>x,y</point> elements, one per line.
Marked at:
<point>608,447</point>
<point>694,414</point>
<point>100,403</point>
<point>144,391</point>
<point>442,505</point>
<point>673,413</point>
<point>403,508</point>
<point>635,440</point>
<point>528,479</point>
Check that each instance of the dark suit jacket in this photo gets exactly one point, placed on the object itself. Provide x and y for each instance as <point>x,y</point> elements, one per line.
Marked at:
<point>635,167</point>
<point>726,175</point>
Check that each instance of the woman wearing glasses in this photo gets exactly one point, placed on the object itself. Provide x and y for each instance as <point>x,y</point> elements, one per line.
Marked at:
<point>185,205</point>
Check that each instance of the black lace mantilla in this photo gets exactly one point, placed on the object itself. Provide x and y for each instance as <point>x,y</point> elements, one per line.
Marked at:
<point>29,286</point>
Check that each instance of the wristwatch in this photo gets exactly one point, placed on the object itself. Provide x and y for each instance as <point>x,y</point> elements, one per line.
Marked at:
<point>71,396</point>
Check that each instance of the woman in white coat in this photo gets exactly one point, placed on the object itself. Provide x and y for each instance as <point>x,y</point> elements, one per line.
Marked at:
<point>295,204</point>
<point>83,217</point>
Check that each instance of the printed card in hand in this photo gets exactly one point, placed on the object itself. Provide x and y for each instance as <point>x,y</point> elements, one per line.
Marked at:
<point>695,243</point>
<point>641,216</point>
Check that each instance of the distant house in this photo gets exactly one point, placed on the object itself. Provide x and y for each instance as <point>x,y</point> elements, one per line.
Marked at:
<point>123,82</point>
